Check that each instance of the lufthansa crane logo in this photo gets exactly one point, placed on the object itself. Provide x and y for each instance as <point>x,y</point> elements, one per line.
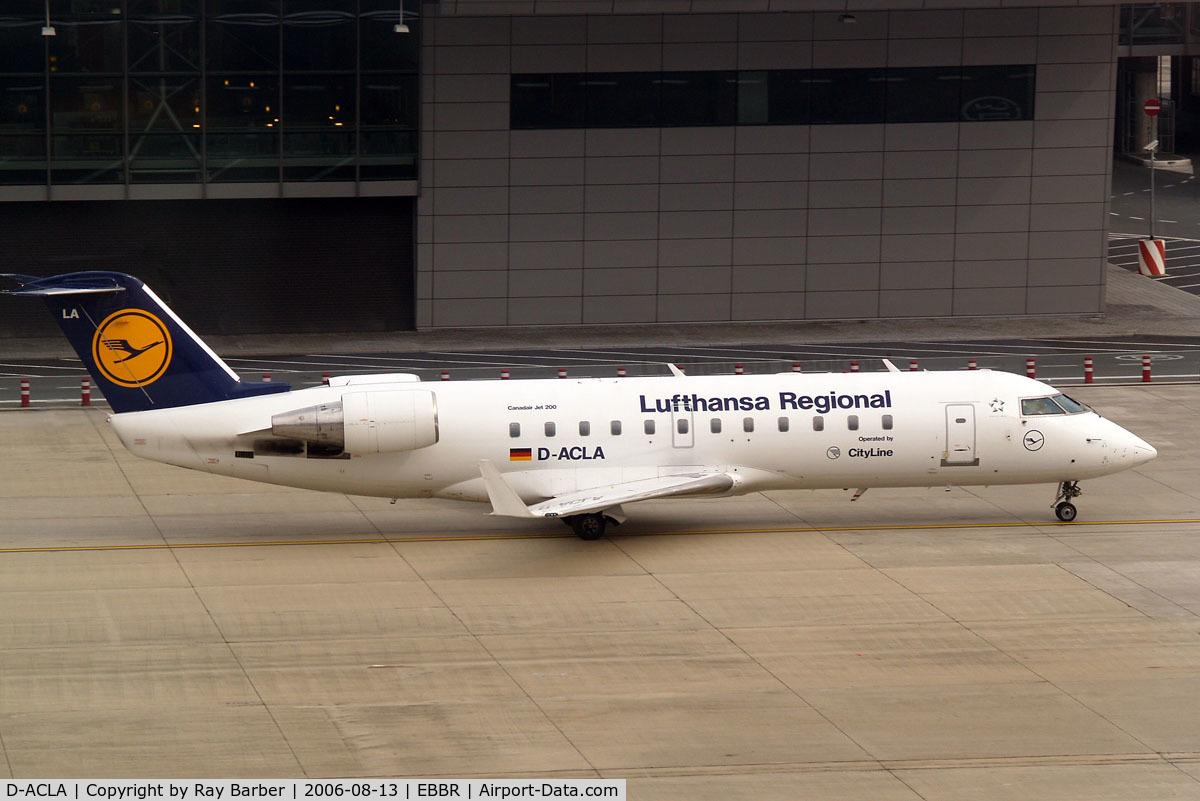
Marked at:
<point>132,348</point>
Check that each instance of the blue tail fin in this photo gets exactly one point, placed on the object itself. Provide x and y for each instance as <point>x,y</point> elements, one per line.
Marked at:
<point>140,354</point>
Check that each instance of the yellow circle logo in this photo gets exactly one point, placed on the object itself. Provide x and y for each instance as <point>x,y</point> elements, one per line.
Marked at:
<point>132,348</point>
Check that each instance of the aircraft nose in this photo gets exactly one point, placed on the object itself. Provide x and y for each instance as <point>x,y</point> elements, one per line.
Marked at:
<point>1138,449</point>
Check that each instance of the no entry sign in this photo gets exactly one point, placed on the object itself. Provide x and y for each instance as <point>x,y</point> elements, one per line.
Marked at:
<point>1152,107</point>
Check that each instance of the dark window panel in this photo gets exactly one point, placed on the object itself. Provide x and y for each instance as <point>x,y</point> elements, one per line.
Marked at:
<point>848,97</point>
<point>89,37</point>
<point>997,93</point>
<point>548,101</point>
<point>698,98</point>
<point>252,156</point>
<point>381,47</point>
<point>164,36</point>
<point>164,103</point>
<point>927,94</point>
<point>622,99</point>
<point>243,102</point>
<point>243,35</point>
<point>22,159</point>
<point>324,102</point>
<point>164,158</point>
<point>789,93</point>
<point>85,104</point>
<point>389,101</point>
<point>753,97</point>
<point>22,104</point>
<point>93,158</point>
<point>318,155</point>
<point>318,36</point>
<point>22,48</point>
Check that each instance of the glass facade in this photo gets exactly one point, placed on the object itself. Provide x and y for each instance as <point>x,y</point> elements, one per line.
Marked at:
<point>772,97</point>
<point>193,91</point>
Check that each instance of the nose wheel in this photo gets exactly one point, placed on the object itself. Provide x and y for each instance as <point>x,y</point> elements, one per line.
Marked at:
<point>1064,510</point>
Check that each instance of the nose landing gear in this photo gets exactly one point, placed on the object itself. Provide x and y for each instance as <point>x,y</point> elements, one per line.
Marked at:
<point>1064,510</point>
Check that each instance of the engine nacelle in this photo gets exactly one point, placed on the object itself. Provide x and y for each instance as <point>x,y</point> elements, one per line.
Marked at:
<point>383,421</point>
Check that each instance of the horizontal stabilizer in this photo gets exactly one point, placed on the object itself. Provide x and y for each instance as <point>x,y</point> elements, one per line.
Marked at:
<point>72,284</point>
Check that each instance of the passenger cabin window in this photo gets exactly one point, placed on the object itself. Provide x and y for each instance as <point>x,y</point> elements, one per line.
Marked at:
<point>585,428</point>
<point>887,422</point>
<point>514,430</point>
<point>852,422</point>
<point>747,424</point>
<point>784,424</point>
<point>648,426</point>
<point>818,423</point>
<point>681,425</point>
<point>549,429</point>
<point>1036,406</point>
<point>615,428</point>
<point>714,425</point>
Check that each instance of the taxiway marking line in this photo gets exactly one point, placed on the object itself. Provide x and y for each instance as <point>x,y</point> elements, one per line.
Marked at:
<point>565,535</point>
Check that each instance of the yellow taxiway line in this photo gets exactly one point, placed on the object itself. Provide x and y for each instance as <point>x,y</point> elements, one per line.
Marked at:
<point>567,535</point>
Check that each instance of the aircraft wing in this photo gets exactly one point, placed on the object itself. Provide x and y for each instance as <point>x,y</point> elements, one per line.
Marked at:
<point>506,502</point>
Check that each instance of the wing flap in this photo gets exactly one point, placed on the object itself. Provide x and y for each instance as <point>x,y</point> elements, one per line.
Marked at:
<point>506,502</point>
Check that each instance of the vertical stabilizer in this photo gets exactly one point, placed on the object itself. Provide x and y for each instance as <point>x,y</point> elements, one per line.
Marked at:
<point>139,353</point>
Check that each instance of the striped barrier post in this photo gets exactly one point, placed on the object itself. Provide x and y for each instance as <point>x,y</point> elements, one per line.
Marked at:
<point>445,375</point>
<point>85,393</point>
<point>854,367</point>
<point>325,379</point>
<point>620,372</point>
<point>24,393</point>
<point>1087,370</point>
<point>739,370</point>
<point>913,366</point>
<point>1030,368</point>
<point>1146,368</point>
<point>562,372</point>
<point>1152,257</point>
<point>972,365</point>
<point>796,367</point>
<point>266,378</point>
<point>504,375</point>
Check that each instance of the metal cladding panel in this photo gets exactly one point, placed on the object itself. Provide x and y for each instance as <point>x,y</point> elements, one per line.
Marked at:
<point>229,266</point>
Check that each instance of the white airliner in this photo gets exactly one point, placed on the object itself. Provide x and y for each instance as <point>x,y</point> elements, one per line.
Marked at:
<point>577,449</point>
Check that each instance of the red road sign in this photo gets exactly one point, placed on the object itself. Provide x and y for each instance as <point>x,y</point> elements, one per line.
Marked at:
<point>1152,107</point>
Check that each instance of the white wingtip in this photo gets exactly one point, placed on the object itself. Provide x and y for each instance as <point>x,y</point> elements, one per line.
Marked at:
<point>505,501</point>
<point>891,367</point>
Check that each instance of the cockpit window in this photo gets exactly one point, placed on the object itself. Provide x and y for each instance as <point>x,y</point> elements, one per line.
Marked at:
<point>1033,406</point>
<point>1070,404</point>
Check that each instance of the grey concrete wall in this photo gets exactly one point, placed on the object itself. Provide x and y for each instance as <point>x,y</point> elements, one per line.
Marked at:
<point>763,222</point>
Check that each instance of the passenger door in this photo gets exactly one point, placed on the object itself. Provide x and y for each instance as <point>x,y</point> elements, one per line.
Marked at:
<point>960,436</point>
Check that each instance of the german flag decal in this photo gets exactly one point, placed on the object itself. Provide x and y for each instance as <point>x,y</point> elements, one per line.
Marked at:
<point>520,455</point>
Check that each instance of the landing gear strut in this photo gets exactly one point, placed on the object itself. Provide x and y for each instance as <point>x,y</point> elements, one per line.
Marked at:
<point>1064,510</point>
<point>588,527</point>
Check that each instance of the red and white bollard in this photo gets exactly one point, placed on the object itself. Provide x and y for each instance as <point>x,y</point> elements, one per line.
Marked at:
<point>445,375</point>
<point>325,379</point>
<point>1087,370</point>
<point>1146,369</point>
<point>1030,368</point>
<point>85,393</point>
<point>972,364</point>
<point>681,368</point>
<point>796,367</point>
<point>913,366</point>
<point>266,378</point>
<point>854,367</point>
<point>620,372</point>
<point>562,372</point>
<point>24,393</point>
<point>739,370</point>
<point>504,375</point>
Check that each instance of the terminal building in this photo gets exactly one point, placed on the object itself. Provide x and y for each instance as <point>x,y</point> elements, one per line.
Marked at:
<point>308,165</point>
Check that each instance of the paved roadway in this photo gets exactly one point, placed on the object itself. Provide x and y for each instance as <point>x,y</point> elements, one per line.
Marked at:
<point>1117,359</point>
<point>1177,220</point>
<point>918,644</point>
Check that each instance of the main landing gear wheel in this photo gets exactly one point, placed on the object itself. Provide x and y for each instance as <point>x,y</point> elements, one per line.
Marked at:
<point>1065,510</point>
<point>588,527</point>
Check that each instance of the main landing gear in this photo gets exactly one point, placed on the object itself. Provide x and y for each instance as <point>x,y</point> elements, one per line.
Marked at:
<point>1064,510</point>
<point>588,527</point>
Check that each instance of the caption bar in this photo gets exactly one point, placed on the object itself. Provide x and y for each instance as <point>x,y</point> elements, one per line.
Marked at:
<point>296,790</point>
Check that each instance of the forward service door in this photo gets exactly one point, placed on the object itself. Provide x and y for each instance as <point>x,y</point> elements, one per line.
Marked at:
<point>960,436</point>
